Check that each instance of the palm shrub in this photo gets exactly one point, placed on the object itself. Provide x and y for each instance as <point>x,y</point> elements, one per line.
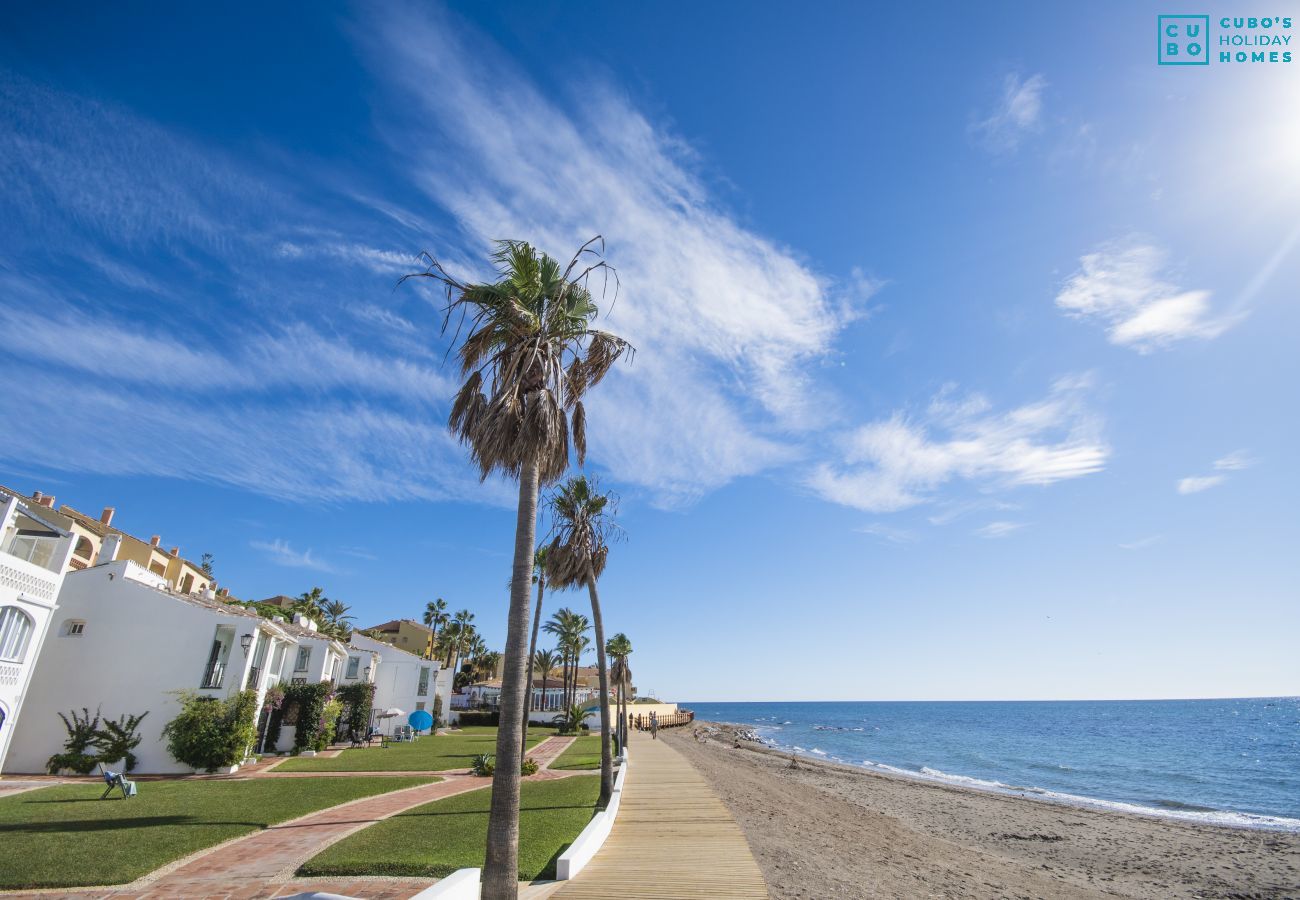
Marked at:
<point>118,738</point>
<point>76,753</point>
<point>482,765</point>
<point>584,525</point>
<point>211,733</point>
<point>570,720</point>
<point>529,354</point>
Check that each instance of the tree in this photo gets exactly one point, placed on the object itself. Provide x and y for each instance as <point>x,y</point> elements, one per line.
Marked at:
<point>435,616</point>
<point>463,636</point>
<point>529,355</point>
<point>619,648</point>
<point>311,604</point>
<point>568,628</point>
<point>544,661</point>
<point>336,615</point>
<point>539,579</point>
<point>583,518</point>
<point>206,564</point>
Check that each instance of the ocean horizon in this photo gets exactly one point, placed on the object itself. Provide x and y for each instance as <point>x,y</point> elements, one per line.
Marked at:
<point>1233,762</point>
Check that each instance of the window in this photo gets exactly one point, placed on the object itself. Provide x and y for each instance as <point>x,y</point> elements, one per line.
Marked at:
<point>333,667</point>
<point>214,672</point>
<point>15,632</point>
<point>354,665</point>
<point>74,628</point>
<point>424,681</point>
<point>304,655</point>
<point>85,549</point>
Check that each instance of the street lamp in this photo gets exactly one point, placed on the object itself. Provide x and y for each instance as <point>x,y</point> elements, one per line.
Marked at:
<point>246,641</point>
<point>367,673</point>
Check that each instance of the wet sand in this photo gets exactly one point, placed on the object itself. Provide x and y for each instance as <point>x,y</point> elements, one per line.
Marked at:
<point>828,830</point>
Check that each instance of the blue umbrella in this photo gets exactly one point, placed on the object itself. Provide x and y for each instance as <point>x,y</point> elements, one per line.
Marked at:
<point>420,720</point>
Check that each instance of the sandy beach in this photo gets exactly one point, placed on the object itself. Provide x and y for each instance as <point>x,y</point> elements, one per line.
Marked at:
<point>828,830</point>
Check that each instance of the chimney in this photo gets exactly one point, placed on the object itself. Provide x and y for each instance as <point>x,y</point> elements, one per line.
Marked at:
<point>108,550</point>
<point>106,517</point>
<point>175,551</point>
<point>48,501</point>
<point>39,498</point>
<point>153,541</point>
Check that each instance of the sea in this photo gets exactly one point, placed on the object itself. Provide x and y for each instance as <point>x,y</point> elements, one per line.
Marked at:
<point>1224,762</point>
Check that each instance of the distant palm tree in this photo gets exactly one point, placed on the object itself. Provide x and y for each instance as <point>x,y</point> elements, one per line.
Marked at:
<point>619,649</point>
<point>568,628</point>
<point>531,333</point>
<point>464,634</point>
<point>545,661</point>
<point>583,518</point>
<point>435,616</point>
<point>311,604</point>
<point>539,579</point>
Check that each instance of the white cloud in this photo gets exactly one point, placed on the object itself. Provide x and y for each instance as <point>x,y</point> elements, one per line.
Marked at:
<point>998,529</point>
<point>1234,461</point>
<point>731,322</point>
<point>1018,113</point>
<point>1124,285</point>
<point>1142,543</point>
<point>889,533</point>
<point>1197,483</point>
<point>280,552</point>
<point>897,463</point>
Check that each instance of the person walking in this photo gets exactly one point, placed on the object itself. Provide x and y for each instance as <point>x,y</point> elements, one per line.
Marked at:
<point>654,726</point>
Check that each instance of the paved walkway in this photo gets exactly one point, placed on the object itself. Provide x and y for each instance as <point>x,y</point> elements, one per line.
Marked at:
<point>673,837</point>
<point>262,864</point>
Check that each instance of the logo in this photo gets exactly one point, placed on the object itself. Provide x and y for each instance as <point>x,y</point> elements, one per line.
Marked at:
<point>1183,40</point>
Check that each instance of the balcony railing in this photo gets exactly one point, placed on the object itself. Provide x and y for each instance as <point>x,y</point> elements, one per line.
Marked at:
<point>214,677</point>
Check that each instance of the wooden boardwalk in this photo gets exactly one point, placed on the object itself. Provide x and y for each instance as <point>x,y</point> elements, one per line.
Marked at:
<point>673,837</point>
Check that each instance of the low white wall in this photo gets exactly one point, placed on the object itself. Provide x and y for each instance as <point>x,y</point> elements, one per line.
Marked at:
<point>592,838</point>
<point>463,884</point>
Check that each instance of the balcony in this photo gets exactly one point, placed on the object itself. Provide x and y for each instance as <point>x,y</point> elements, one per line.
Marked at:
<point>214,677</point>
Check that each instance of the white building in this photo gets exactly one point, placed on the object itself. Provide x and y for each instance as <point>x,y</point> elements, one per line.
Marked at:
<point>124,643</point>
<point>405,681</point>
<point>34,552</point>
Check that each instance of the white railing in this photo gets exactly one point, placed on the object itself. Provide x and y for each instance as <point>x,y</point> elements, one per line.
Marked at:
<point>10,676</point>
<point>28,578</point>
<point>592,838</point>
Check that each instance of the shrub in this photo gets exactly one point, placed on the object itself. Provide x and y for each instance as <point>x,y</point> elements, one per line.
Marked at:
<point>480,718</point>
<point>328,723</point>
<point>209,733</point>
<point>529,766</point>
<point>307,703</point>
<point>571,720</point>
<point>81,737</point>
<point>118,739</point>
<point>483,765</point>
<point>358,700</point>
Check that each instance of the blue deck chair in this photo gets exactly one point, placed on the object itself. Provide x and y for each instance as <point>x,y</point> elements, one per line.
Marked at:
<point>118,781</point>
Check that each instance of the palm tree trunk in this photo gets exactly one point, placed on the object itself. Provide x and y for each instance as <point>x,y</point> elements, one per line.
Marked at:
<point>606,758</point>
<point>532,650</point>
<point>501,868</point>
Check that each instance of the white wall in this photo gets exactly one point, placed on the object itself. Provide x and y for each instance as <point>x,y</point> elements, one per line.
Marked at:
<point>33,590</point>
<point>139,646</point>
<point>397,680</point>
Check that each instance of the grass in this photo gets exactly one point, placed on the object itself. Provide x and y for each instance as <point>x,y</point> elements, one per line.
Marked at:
<point>65,836</point>
<point>432,753</point>
<point>438,838</point>
<point>583,753</point>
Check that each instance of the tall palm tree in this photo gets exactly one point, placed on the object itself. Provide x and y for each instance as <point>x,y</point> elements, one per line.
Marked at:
<point>530,354</point>
<point>577,646</point>
<point>435,616</point>
<point>568,628</point>
<point>619,648</point>
<point>539,579</point>
<point>312,604</point>
<point>583,518</point>
<point>545,661</point>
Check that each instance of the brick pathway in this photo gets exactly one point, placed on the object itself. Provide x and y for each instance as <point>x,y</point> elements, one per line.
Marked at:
<point>262,864</point>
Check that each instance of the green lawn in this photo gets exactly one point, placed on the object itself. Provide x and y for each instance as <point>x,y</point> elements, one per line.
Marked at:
<point>431,753</point>
<point>583,753</point>
<point>438,838</point>
<point>65,836</point>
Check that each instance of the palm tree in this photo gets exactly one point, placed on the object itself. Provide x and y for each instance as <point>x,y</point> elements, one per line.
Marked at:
<point>312,604</point>
<point>544,661</point>
<point>539,579</point>
<point>463,633</point>
<point>435,616</point>
<point>530,355</point>
<point>568,628</point>
<point>577,646</point>
<point>584,525</point>
<point>619,648</point>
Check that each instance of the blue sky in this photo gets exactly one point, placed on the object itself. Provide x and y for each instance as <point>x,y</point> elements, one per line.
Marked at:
<point>966,342</point>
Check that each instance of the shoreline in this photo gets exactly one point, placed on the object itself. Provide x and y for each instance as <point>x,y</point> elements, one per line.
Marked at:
<point>1206,816</point>
<point>826,828</point>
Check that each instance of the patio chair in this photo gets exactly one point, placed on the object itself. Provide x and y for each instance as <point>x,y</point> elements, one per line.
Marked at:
<point>117,781</point>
